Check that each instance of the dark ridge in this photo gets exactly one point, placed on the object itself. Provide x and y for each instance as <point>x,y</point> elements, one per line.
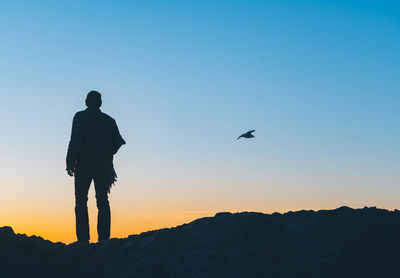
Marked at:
<point>344,242</point>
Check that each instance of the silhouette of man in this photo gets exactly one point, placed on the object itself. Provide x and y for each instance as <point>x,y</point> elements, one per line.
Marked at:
<point>95,139</point>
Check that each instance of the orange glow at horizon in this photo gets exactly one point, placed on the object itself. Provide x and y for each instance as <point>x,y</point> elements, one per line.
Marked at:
<point>49,213</point>
<point>63,229</point>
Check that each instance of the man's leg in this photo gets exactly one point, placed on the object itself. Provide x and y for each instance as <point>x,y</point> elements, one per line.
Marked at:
<point>104,215</point>
<point>82,184</point>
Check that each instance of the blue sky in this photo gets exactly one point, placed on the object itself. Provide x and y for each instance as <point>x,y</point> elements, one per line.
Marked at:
<point>318,80</point>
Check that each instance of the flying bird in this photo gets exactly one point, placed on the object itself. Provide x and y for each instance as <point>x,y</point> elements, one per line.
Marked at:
<point>248,134</point>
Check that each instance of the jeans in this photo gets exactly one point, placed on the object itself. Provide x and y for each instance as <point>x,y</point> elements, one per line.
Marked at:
<point>82,184</point>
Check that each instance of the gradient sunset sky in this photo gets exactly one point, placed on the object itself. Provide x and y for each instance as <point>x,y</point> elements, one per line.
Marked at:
<point>318,80</point>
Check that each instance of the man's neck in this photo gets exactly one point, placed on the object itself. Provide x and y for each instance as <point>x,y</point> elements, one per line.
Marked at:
<point>93,109</point>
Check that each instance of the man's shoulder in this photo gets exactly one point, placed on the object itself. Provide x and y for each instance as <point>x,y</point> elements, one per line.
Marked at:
<point>106,117</point>
<point>79,114</point>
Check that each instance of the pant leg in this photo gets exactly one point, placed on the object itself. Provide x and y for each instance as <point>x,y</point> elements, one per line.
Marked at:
<point>82,184</point>
<point>103,206</point>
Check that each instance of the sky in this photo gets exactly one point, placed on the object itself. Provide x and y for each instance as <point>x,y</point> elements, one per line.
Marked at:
<point>317,80</point>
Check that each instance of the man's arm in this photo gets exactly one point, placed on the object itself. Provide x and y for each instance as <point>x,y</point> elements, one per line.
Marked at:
<point>73,146</point>
<point>118,141</point>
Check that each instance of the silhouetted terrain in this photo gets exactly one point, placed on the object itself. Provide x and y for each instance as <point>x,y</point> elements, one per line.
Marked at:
<point>329,243</point>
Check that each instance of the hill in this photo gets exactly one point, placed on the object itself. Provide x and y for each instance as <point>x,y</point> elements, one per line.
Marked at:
<point>343,242</point>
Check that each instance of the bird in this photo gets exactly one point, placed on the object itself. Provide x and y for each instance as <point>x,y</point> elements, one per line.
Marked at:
<point>248,134</point>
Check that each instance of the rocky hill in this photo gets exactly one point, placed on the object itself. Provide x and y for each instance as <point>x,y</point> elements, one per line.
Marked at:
<point>343,242</point>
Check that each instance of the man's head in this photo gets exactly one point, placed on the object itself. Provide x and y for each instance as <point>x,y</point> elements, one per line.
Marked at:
<point>93,99</point>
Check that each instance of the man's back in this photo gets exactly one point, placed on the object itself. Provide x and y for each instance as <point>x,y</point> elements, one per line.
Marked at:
<point>94,139</point>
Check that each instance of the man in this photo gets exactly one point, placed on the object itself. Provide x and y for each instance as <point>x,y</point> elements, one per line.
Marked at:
<point>94,141</point>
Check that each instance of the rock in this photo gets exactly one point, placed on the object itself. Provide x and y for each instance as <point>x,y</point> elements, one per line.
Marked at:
<point>7,230</point>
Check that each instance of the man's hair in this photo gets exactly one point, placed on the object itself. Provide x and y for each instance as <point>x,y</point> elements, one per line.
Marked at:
<point>93,99</point>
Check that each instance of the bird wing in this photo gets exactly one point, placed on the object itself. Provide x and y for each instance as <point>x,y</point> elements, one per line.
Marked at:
<point>239,137</point>
<point>251,131</point>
